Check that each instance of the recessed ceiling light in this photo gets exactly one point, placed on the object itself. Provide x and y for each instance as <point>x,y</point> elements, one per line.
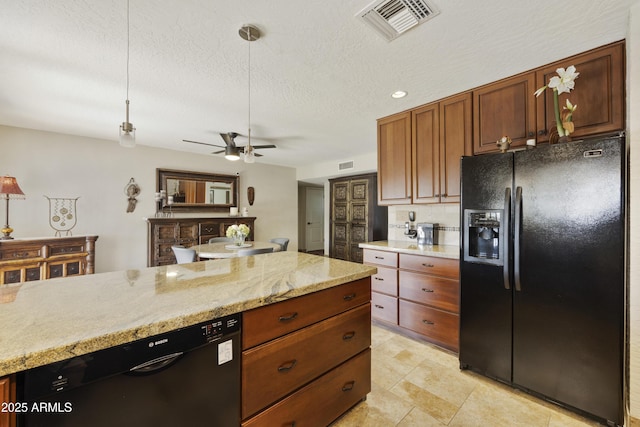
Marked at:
<point>399,94</point>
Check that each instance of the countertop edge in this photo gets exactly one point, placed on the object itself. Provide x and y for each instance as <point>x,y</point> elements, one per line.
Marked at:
<point>399,246</point>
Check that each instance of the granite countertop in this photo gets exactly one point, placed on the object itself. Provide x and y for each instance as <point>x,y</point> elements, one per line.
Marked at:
<point>405,247</point>
<point>56,319</point>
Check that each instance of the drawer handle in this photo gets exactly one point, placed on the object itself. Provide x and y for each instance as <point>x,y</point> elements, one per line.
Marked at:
<point>348,386</point>
<point>379,278</point>
<point>428,322</point>
<point>424,264</point>
<point>348,335</point>
<point>287,366</point>
<point>349,297</point>
<point>379,306</point>
<point>427,290</point>
<point>288,317</point>
<point>379,257</point>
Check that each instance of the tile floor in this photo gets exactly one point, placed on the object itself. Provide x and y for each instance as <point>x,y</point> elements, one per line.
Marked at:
<point>417,384</point>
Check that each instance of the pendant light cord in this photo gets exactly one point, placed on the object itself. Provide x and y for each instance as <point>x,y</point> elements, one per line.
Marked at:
<point>127,52</point>
<point>249,79</point>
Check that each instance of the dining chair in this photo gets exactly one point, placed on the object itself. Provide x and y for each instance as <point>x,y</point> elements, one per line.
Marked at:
<point>254,251</point>
<point>220,239</point>
<point>184,255</point>
<point>282,241</point>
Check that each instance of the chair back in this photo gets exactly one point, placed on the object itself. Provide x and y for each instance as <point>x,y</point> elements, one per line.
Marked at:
<point>220,239</point>
<point>282,241</point>
<point>254,251</point>
<point>183,255</point>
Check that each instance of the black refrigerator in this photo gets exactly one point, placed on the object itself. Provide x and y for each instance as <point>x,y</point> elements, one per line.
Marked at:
<point>542,272</point>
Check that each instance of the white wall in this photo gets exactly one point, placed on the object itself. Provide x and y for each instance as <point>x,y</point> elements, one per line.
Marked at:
<point>97,171</point>
<point>633,121</point>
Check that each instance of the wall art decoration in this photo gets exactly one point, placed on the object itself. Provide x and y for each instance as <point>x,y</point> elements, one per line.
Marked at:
<point>132,190</point>
<point>62,215</point>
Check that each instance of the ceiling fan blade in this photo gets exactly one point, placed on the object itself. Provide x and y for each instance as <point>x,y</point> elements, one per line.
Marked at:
<point>228,138</point>
<point>264,146</point>
<point>202,143</point>
<point>218,152</point>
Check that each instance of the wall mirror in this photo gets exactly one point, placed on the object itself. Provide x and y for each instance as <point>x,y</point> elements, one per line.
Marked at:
<point>197,191</point>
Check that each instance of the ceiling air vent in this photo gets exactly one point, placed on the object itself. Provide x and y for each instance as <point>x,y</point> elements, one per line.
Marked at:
<point>345,165</point>
<point>393,17</point>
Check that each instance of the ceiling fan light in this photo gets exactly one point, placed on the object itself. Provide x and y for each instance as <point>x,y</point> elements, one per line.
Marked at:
<point>231,153</point>
<point>249,156</point>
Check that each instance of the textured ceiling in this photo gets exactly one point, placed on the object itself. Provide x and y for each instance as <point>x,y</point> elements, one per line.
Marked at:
<point>319,76</point>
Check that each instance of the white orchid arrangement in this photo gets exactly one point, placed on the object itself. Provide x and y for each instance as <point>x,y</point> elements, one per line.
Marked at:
<point>236,230</point>
<point>563,82</point>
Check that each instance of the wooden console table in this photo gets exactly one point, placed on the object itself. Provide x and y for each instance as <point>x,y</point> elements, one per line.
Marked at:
<point>24,260</point>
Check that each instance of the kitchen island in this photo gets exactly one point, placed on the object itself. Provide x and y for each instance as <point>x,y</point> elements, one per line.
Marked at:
<point>54,320</point>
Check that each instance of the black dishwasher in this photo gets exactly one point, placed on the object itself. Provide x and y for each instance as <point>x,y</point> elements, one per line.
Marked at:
<point>187,377</point>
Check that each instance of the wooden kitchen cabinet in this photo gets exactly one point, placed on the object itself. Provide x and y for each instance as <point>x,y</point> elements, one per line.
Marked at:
<point>394,159</point>
<point>356,216</point>
<point>166,232</point>
<point>7,394</point>
<point>421,299</point>
<point>504,108</point>
<point>284,378</point>
<point>599,93</point>
<point>441,135</point>
<point>24,260</point>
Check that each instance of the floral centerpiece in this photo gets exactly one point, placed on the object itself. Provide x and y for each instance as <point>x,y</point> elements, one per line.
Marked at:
<point>238,233</point>
<point>563,82</point>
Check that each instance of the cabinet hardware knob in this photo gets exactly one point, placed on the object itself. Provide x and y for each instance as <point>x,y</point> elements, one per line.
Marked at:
<point>424,264</point>
<point>348,335</point>
<point>427,290</point>
<point>287,366</point>
<point>348,386</point>
<point>436,195</point>
<point>287,317</point>
<point>428,322</point>
<point>379,306</point>
<point>349,297</point>
<point>542,132</point>
<point>445,195</point>
<point>531,133</point>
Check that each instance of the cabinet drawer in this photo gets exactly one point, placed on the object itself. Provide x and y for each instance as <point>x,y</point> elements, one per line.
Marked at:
<point>439,326</point>
<point>385,281</point>
<point>324,400</point>
<point>384,307</point>
<point>271,321</point>
<point>275,369</point>
<point>388,259</point>
<point>22,253</point>
<point>444,267</point>
<point>431,290</point>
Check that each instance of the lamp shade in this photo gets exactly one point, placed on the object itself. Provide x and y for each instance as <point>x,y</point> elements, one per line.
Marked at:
<point>9,186</point>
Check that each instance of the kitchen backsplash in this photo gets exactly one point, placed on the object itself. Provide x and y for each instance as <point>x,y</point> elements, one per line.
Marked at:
<point>446,215</point>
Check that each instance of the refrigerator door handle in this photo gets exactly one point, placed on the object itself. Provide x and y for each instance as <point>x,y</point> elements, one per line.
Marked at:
<point>505,240</point>
<point>516,239</point>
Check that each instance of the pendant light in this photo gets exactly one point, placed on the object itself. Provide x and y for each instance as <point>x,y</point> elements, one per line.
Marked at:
<point>249,33</point>
<point>127,131</point>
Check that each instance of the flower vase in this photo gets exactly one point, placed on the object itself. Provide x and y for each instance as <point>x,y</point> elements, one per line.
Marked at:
<point>238,240</point>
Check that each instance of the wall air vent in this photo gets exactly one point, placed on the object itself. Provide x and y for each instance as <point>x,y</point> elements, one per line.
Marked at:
<point>390,18</point>
<point>345,165</point>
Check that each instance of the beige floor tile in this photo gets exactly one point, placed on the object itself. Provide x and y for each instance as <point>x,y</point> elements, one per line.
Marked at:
<point>386,370</point>
<point>420,418</point>
<point>437,407</point>
<point>382,408</point>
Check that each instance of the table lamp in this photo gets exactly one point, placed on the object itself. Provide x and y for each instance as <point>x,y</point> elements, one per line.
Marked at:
<point>9,189</point>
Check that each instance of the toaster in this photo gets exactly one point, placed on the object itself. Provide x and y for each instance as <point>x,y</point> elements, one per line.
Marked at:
<point>427,233</point>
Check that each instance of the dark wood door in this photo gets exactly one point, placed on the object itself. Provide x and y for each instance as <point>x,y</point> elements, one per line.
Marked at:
<point>598,93</point>
<point>394,159</point>
<point>455,142</point>
<point>425,124</point>
<point>504,108</point>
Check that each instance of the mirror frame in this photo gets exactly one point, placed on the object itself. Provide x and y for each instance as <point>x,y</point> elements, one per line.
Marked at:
<point>161,184</point>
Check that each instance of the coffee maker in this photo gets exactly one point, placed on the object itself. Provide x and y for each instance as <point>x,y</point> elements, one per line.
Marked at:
<point>427,234</point>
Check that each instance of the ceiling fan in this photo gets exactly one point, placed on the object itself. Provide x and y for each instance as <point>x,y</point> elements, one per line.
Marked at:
<point>231,150</point>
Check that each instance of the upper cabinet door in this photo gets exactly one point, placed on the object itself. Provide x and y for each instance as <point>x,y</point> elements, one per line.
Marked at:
<point>455,142</point>
<point>425,123</point>
<point>394,159</point>
<point>504,108</point>
<point>598,93</point>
